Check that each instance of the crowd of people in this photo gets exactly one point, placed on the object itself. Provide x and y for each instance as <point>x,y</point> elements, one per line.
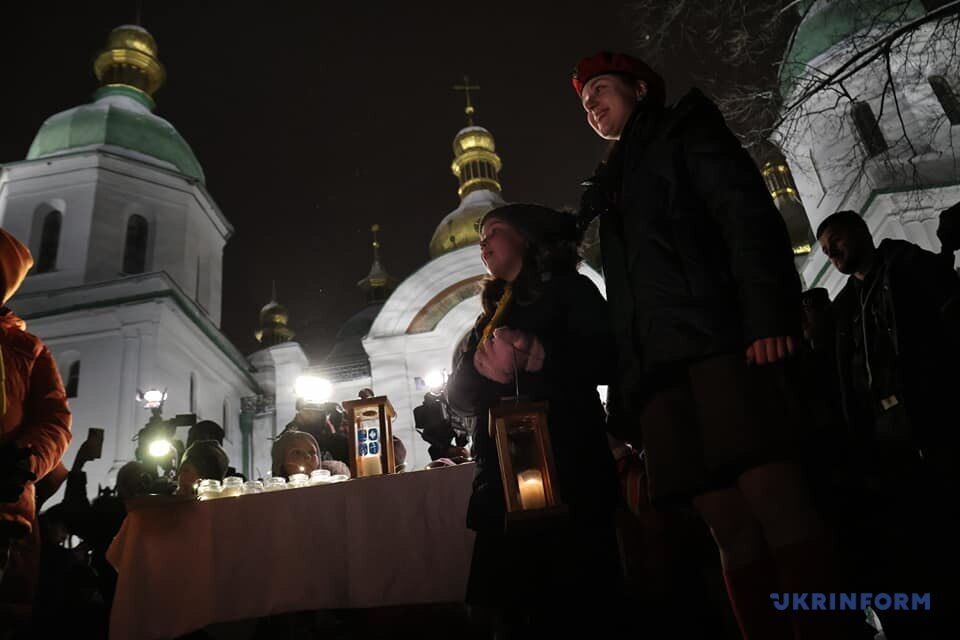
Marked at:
<point>813,440</point>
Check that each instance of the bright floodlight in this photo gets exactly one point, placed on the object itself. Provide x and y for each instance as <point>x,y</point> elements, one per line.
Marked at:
<point>434,380</point>
<point>159,448</point>
<point>313,389</point>
<point>153,395</point>
<point>152,398</point>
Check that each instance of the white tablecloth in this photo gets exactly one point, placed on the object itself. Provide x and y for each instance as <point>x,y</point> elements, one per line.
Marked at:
<point>371,542</point>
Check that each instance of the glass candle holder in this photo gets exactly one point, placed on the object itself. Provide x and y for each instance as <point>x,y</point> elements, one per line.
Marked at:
<point>232,486</point>
<point>299,480</point>
<point>251,486</point>
<point>319,476</point>
<point>275,484</point>
<point>209,489</point>
<point>338,478</point>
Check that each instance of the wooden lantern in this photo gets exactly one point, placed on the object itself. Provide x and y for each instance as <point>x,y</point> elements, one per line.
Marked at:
<point>526,459</point>
<point>371,436</point>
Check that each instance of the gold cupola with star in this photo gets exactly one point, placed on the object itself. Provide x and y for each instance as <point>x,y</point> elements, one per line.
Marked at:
<point>120,118</point>
<point>476,166</point>
<point>274,318</point>
<point>130,60</point>
<point>378,284</point>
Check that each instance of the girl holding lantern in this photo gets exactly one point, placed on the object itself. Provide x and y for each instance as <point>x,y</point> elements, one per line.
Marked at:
<point>543,334</point>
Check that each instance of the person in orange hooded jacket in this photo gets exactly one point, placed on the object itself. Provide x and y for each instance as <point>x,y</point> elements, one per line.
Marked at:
<point>34,434</point>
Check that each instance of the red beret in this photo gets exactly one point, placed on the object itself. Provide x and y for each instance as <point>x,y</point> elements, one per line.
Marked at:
<point>607,62</point>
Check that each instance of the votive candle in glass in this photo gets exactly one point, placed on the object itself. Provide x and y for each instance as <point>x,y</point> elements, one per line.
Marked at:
<point>251,486</point>
<point>232,486</point>
<point>209,489</point>
<point>319,476</point>
<point>299,480</point>
<point>275,484</point>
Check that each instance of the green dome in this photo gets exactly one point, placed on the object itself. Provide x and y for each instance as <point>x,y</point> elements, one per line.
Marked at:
<point>120,117</point>
<point>828,22</point>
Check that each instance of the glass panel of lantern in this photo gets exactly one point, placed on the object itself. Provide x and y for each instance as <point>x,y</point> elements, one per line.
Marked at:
<point>526,458</point>
<point>371,436</point>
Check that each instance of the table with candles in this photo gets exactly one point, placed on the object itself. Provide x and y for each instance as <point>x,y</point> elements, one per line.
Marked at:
<point>243,550</point>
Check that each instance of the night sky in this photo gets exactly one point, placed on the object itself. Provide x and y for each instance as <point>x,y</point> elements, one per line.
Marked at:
<point>313,121</point>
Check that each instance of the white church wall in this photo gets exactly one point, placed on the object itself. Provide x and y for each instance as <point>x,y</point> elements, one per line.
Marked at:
<point>260,443</point>
<point>98,346</point>
<point>29,193</point>
<point>350,389</point>
<point>278,368</point>
<point>126,347</point>
<point>99,192</point>
<point>899,192</point>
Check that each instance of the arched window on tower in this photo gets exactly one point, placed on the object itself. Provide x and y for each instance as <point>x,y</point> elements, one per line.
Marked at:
<point>193,393</point>
<point>868,129</point>
<point>73,379</point>
<point>49,242</point>
<point>135,249</point>
<point>947,98</point>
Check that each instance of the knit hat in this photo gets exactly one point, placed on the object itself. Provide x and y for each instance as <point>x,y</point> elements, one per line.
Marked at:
<point>208,458</point>
<point>205,430</point>
<point>607,62</point>
<point>278,452</point>
<point>538,224</point>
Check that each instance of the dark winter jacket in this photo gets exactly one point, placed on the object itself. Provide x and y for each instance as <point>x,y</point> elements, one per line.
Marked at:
<point>570,319</point>
<point>897,336</point>
<point>696,257</point>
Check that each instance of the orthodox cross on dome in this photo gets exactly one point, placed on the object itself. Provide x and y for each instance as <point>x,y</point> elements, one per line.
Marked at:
<point>466,87</point>
<point>376,243</point>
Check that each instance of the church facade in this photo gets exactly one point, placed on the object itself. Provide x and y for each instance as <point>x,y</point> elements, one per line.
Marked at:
<point>883,143</point>
<point>126,287</point>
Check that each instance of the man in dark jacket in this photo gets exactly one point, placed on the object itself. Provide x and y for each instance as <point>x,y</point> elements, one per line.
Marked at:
<point>706,306</point>
<point>897,347</point>
<point>898,331</point>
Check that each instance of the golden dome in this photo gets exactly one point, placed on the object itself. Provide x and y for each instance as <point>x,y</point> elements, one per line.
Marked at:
<point>477,167</point>
<point>475,162</point>
<point>273,323</point>
<point>130,59</point>
<point>461,227</point>
<point>274,313</point>
<point>473,138</point>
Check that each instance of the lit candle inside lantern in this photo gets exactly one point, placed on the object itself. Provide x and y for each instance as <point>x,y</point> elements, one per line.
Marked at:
<point>532,495</point>
<point>370,466</point>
